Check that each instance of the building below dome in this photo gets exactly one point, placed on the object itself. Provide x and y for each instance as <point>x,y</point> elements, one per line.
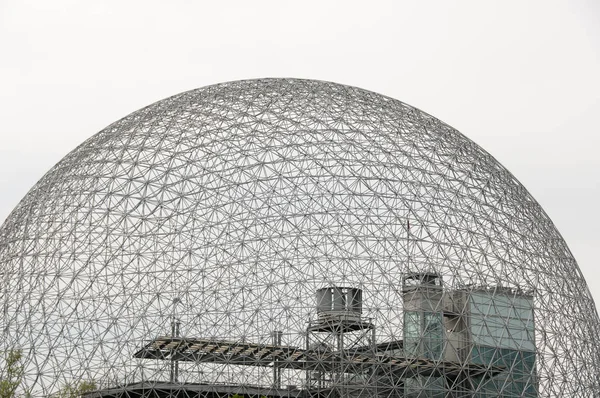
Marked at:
<point>449,348</point>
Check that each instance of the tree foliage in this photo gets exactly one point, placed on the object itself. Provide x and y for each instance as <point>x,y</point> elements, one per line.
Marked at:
<point>12,374</point>
<point>76,390</point>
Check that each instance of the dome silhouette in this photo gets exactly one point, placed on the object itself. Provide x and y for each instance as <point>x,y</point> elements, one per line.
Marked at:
<point>257,214</point>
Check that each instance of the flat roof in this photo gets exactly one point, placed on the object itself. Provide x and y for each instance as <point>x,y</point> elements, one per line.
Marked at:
<point>268,355</point>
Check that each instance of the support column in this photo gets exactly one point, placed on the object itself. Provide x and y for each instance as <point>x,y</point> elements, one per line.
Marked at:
<point>276,369</point>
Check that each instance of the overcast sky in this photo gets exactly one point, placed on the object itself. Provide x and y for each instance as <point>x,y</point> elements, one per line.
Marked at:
<point>520,78</point>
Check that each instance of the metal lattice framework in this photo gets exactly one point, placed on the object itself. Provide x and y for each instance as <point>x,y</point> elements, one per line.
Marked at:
<point>212,217</point>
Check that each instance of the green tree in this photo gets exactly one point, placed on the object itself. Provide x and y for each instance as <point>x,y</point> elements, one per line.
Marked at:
<point>12,375</point>
<point>76,390</point>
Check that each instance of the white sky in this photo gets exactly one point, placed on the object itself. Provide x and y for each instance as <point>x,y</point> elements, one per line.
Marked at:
<point>520,78</point>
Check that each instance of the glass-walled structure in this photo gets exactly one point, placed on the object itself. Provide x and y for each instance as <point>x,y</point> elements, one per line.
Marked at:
<point>502,332</point>
<point>423,320</point>
<point>487,326</point>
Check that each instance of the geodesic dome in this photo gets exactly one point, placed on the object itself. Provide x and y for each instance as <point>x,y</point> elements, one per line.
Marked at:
<point>223,212</point>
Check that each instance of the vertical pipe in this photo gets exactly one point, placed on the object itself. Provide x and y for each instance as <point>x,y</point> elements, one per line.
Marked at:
<point>307,348</point>
<point>373,337</point>
<point>276,369</point>
<point>373,379</point>
<point>177,323</point>
<point>341,378</point>
<point>407,244</point>
<point>174,363</point>
<point>172,372</point>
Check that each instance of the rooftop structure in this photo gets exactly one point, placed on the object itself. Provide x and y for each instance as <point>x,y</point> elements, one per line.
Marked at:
<point>296,238</point>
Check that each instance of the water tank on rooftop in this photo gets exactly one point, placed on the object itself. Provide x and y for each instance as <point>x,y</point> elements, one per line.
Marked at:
<point>339,301</point>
